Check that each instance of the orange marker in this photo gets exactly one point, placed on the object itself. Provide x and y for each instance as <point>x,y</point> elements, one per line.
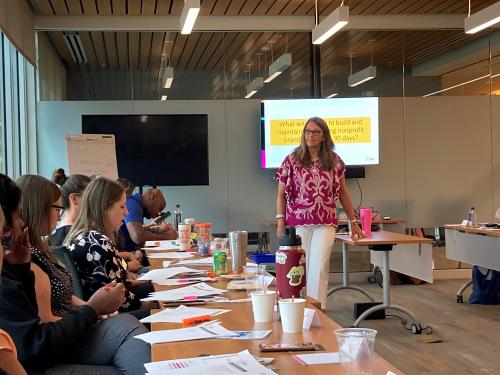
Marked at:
<point>196,319</point>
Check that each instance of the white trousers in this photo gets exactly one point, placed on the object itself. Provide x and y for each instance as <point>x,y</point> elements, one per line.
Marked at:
<point>317,241</point>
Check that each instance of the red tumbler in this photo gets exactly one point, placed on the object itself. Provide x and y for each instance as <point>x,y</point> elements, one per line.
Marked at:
<point>291,266</point>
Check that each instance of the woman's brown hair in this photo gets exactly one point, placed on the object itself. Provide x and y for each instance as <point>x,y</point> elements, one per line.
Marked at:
<point>326,156</point>
<point>59,176</point>
<point>38,196</point>
<point>99,196</point>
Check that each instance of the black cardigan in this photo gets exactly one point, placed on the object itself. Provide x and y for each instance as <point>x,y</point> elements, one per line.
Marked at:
<point>38,345</point>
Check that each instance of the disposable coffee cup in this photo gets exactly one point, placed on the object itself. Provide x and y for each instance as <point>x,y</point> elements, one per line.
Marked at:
<point>356,350</point>
<point>263,306</point>
<point>292,314</point>
<point>184,232</point>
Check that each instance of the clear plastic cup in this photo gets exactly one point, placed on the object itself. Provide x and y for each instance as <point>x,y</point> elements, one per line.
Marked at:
<point>255,278</point>
<point>356,350</point>
<point>250,273</point>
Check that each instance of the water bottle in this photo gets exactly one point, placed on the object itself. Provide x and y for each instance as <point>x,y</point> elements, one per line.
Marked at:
<point>473,217</point>
<point>177,216</point>
<point>291,266</point>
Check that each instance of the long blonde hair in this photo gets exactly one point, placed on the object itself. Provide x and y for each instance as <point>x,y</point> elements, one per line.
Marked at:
<point>38,196</point>
<point>98,197</point>
<point>326,156</point>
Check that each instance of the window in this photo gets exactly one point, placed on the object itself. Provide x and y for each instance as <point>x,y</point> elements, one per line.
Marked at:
<point>17,112</point>
<point>2,109</point>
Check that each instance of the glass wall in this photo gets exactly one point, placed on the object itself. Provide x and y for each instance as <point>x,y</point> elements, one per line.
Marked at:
<point>17,112</point>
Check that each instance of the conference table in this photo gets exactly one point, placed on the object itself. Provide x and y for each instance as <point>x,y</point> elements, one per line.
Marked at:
<point>411,259</point>
<point>472,245</point>
<point>241,318</point>
<point>385,242</point>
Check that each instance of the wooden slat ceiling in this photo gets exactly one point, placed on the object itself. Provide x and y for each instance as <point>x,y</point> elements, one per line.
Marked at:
<point>215,65</point>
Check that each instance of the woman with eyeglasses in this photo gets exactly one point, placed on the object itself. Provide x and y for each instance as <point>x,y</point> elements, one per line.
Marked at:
<point>41,210</point>
<point>310,181</point>
<point>72,188</point>
<point>79,342</point>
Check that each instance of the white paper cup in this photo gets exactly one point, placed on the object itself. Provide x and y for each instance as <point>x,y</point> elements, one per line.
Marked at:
<point>184,239</point>
<point>292,314</point>
<point>263,306</point>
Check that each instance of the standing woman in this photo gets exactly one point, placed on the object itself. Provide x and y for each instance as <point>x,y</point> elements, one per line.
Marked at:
<point>310,181</point>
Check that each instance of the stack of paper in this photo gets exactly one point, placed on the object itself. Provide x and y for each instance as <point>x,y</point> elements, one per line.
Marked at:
<point>203,331</point>
<point>200,262</point>
<point>213,365</point>
<point>185,281</point>
<point>251,335</point>
<point>209,261</point>
<point>171,255</point>
<point>187,293</point>
<point>158,276</point>
<point>182,312</point>
<point>317,358</point>
<point>161,245</point>
<point>164,243</point>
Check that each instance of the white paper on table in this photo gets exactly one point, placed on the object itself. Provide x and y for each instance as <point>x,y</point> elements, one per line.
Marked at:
<point>212,365</point>
<point>171,255</point>
<point>161,274</point>
<point>317,358</point>
<point>209,261</point>
<point>185,281</point>
<point>311,319</point>
<point>198,290</point>
<point>203,331</point>
<point>164,244</point>
<point>179,313</point>
<point>390,373</point>
<point>248,299</point>
<point>251,335</point>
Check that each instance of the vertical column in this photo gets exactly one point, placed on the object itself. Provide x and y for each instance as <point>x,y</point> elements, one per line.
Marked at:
<point>315,59</point>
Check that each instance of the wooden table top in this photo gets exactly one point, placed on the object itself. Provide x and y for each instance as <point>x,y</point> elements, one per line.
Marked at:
<point>382,237</point>
<point>274,223</point>
<point>241,318</point>
<point>486,232</point>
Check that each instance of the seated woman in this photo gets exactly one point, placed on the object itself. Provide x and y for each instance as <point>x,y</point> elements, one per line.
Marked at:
<point>71,191</point>
<point>92,241</point>
<point>72,188</point>
<point>41,206</point>
<point>8,354</point>
<point>78,343</point>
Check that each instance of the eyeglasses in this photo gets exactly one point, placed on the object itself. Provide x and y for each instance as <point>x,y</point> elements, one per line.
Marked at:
<point>60,209</point>
<point>313,132</point>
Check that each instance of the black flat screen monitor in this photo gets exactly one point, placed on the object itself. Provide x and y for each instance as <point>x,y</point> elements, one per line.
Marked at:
<point>157,150</point>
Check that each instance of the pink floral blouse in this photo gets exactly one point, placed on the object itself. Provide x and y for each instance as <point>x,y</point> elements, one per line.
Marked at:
<point>310,193</point>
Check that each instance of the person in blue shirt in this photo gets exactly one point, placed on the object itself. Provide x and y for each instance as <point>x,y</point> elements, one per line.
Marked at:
<point>148,205</point>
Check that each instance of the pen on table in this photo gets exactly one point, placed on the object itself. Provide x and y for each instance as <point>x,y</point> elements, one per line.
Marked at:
<point>196,319</point>
<point>188,280</point>
<point>194,298</point>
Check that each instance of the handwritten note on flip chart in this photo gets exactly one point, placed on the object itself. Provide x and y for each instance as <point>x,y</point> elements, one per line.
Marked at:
<point>92,154</point>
